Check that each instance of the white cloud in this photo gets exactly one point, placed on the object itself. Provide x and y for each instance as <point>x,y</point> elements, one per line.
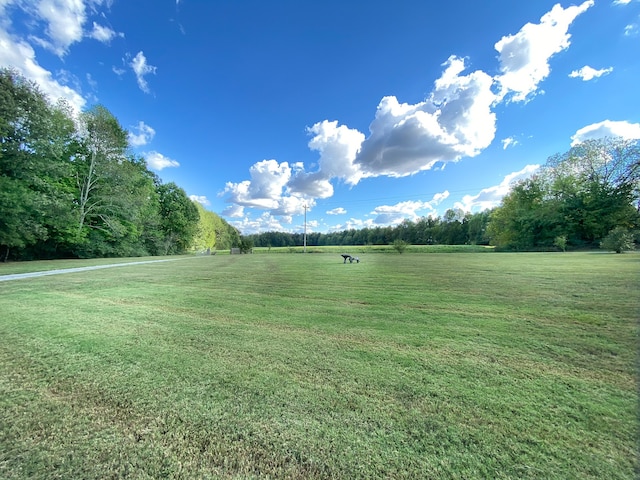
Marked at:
<point>141,69</point>
<point>524,57</point>
<point>63,23</point>
<point>509,142</point>
<point>118,71</point>
<point>57,24</point>
<point>607,128</point>
<point>143,136</point>
<point>103,34</point>
<point>264,190</point>
<point>157,161</point>
<point>264,223</point>
<point>20,55</point>
<point>201,199</point>
<point>587,73</point>
<point>337,211</point>
<point>621,2</point>
<point>353,224</point>
<point>455,121</point>
<point>338,146</point>
<point>492,196</point>
<point>631,30</point>
<point>395,214</point>
<point>234,211</point>
<point>292,205</point>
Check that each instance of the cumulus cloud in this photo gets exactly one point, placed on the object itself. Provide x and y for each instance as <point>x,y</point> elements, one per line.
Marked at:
<point>143,136</point>
<point>157,161</point>
<point>338,146</point>
<point>409,210</point>
<point>524,57</point>
<point>492,196</point>
<point>607,128</point>
<point>63,21</point>
<point>455,121</point>
<point>631,30</point>
<point>201,199</point>
<point>141,68</point>
<point>234,211</point>
<point>353,224</point>
<point>103,34</point>
<point>19,55</point>
<point>587,73</point>
<point>337,211</point>
<point>264,190</point>
<point>56,25</point>
<point>264,223</point>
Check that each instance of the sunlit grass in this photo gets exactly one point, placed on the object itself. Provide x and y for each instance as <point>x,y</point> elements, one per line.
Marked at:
<point>299,366</point>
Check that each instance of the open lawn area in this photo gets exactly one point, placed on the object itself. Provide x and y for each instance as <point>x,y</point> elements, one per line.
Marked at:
<point>474,365</point>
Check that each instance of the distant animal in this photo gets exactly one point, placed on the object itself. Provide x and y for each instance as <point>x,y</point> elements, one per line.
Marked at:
<point>351,259</point>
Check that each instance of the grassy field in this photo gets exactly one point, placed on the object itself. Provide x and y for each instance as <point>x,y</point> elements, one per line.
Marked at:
<point>298,366</point>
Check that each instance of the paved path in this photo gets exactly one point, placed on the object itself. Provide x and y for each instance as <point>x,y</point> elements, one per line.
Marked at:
<point>18,276</point>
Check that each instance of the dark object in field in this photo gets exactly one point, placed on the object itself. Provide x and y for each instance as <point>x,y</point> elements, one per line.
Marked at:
<point>350,258</point>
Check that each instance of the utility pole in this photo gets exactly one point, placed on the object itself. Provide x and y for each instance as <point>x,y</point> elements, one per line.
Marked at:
<point>305,228</point>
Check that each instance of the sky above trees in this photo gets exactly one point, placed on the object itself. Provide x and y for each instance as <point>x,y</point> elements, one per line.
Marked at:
<point>364,113</point>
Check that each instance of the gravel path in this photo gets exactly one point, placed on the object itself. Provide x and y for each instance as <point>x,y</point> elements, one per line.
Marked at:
<point>19,276</point>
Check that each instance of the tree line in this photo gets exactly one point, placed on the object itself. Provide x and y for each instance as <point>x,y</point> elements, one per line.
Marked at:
<point>70,186</point>
<point>454,228</point>
<point>576,200</point>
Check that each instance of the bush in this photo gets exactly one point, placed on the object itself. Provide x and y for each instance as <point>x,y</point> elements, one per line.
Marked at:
<point>618,240</point>
<point>245,245</point>
<point>561,242</point>
<point>400,245</point>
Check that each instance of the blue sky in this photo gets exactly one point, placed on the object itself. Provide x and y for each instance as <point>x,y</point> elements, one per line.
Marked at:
<point>364,112</point>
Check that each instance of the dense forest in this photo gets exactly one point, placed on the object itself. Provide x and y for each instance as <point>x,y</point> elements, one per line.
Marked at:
<point>70,187</point>
<point>576,200</point>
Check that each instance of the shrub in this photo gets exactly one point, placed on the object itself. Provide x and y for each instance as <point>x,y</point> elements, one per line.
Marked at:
<point>400,245</point>
<point>619,239</point>
<point>561,242</point>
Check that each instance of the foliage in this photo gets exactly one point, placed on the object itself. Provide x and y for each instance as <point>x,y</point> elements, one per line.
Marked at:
<point>205,237</point>
<point>618,240</point>
<point>69,186</point>
<point>580,195</point>
<point>245,245</point>
<point>400,245</point>
<point>560,242</point>
<point>289,366</point>
<point>179,218</point>
<point>213,232</point>
<point>34,138</point>
<point>456,228</point>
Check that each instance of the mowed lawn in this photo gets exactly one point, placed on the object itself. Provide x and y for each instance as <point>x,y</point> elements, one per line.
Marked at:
<point>434,366</point>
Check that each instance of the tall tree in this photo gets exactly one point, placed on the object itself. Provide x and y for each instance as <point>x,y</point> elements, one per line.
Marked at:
<point>179,218</point>
<point>34,139</point>
<point>205,237</point>
<point>102,145</point>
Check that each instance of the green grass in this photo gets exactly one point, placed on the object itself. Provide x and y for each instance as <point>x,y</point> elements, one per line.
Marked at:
<point>298,366</point>
<point>10,268</point>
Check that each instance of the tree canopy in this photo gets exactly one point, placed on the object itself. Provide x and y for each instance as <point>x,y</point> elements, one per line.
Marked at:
<point>580,195</point>
<point>70,186</point>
